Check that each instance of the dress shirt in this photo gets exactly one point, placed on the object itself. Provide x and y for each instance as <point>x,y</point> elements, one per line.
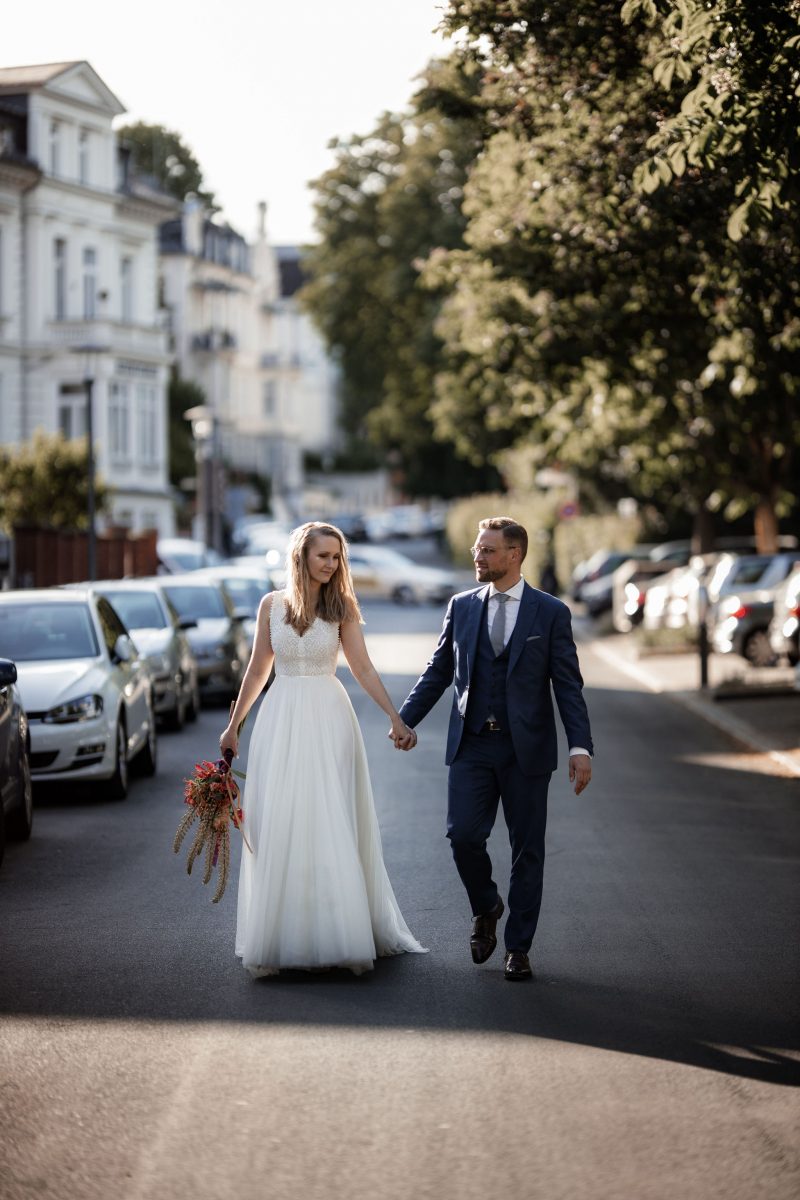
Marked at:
<point>511,609</point>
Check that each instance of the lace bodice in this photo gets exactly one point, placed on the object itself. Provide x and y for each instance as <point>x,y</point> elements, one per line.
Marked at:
<point>315,653</point>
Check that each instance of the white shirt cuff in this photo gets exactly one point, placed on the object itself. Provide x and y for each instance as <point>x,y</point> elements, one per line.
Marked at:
<point>578,750</point>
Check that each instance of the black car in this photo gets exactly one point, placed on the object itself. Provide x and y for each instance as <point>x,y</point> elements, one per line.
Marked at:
<point>16,811</point>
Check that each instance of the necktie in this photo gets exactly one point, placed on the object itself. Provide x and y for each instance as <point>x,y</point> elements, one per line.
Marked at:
<point>497,633</point>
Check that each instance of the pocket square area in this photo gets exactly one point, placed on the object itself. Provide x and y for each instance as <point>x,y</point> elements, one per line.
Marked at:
<point>535,637</point>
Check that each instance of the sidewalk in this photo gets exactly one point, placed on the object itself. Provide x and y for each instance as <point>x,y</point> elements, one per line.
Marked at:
<point>763,716</point>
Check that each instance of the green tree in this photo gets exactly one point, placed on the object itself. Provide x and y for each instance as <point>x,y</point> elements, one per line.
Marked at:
<point>391,197</point>
<point>732,71</point>
<point>182,395</point>
<point>44,482</point>
<point>615,330</point>
<point>162,154</point>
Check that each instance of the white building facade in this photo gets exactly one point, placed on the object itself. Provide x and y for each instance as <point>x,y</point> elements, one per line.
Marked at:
<point>239,333</point>
<point>79,270</point>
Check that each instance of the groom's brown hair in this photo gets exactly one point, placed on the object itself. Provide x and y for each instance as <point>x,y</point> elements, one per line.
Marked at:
<point>514,534</point>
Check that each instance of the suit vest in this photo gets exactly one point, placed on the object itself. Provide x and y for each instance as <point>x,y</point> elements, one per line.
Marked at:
<point>487,687</point>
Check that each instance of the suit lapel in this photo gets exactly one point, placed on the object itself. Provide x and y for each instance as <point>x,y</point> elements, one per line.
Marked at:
<point>478,606</point>
<point>528,605</point>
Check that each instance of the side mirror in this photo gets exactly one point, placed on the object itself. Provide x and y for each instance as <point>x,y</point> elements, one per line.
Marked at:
<point>123,649</point>
<point>8,672</point>
<point>187,623</point>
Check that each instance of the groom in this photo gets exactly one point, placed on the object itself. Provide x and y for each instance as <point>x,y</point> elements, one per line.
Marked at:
<point>504,643</point>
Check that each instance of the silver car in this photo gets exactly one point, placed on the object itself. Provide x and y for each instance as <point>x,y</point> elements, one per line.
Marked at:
<point>784,629</point>
<point>161,636</point>
<point>217,638</point>
<point>86,691</point>
<point>247,586</point>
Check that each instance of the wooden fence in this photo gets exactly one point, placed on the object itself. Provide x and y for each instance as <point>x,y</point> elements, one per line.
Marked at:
<point>48,557</point>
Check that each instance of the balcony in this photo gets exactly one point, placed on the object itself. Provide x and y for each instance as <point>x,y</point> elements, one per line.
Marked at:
<point>120,337</point>
<point>213,340</point>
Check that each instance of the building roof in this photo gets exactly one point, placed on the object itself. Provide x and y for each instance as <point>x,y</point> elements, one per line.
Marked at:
<point>14,78</point>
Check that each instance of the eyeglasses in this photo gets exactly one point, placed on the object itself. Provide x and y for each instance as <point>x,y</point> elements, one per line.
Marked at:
<point>483,551</point>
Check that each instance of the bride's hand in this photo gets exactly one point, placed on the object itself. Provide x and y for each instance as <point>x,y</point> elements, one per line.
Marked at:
<point>229,741</point>
<point>403,737</point>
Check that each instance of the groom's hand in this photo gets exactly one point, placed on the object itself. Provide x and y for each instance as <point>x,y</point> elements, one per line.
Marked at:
<point>580,771</point>
<point>406,742</point>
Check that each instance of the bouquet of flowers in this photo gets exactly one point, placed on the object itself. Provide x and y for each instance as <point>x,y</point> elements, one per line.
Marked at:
<point>212,795</point>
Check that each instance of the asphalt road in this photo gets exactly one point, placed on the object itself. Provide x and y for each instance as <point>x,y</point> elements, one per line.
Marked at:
<point>655,1055</point>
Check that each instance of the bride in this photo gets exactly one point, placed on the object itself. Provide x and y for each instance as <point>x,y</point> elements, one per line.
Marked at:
<point>314,892</point>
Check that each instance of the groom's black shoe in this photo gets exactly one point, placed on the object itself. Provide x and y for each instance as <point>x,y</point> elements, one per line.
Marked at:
<point>517,965</point>
<point>483,939</point>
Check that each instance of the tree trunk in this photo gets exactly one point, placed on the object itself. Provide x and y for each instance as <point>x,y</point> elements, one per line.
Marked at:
<point>703,531</point>
<point>766,526</point>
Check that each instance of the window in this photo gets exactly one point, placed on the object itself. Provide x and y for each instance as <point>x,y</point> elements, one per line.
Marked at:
<point>60,278</point>
<point>89,283</point>
<point>126,288</point>
<point>119,423</point>
<point>110,623</point>
<point>269,398</point>
<point>55,148</point>
<point>83,156</point>
<point>71,412</point>
<point>148,424</point>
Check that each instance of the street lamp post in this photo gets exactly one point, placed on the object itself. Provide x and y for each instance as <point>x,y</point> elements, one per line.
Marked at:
<point>91,543</point>
<point>90,353</point>
<point>205,431</point>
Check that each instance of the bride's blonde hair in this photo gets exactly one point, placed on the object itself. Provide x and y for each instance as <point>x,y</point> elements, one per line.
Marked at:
<point>337,598</point>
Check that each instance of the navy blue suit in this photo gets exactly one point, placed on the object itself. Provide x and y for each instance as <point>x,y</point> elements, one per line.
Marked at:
<point>515,763</point>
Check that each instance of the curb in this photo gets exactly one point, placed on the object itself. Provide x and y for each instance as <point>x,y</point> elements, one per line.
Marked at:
<point>738,730</point>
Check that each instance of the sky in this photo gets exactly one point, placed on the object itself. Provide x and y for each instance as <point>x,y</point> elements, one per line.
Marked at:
<point>257,88</point>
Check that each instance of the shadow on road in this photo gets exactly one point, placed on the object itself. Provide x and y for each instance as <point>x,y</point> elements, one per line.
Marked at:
<point>667,929</point>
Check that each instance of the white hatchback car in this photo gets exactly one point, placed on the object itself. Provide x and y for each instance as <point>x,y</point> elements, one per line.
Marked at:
<point>87,693</point>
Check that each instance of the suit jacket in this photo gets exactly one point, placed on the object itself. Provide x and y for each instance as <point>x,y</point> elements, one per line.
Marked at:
<point>542,652</point>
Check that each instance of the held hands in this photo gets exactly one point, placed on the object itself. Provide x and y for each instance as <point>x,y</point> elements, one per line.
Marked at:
<point>403,737</point>
<point>580,771</point>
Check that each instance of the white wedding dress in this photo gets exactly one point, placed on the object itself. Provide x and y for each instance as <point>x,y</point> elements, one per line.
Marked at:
<point>314,892</point>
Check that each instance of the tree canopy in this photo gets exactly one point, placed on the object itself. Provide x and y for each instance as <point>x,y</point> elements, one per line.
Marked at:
<point>44,482</point>
<point>163,155</point>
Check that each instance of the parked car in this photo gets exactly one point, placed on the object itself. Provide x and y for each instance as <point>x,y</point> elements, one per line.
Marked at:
<point>268,539</point>
<point>386,574</point>
<point>407,521</point>
<point>86,690</point>
<point>742,618</point>
<point>217,639</point>
<point>247,585</point>
<point>16,791</point>
<point>161,637</point>
<point>630,584</point>
<point>673,600</point>
<point>594,585</point>
<point>184,554</point>
<point>784,628</point>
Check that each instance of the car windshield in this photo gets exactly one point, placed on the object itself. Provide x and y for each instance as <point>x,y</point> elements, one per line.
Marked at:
<point>138,610</point>
<point>381,555</point>
<point>246,593</point>
<point>746,570</point>
<point>196,603</point>
<point>46,632</point>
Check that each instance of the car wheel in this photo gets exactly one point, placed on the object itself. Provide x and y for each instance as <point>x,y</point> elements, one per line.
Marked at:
<point>403,594</point>
<point>758,651</point>
<point>147,758</point>
<point>118,783</point>
<point>20,821</point>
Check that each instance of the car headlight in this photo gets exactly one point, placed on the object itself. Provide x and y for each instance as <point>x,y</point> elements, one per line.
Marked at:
<point>85,708</point>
